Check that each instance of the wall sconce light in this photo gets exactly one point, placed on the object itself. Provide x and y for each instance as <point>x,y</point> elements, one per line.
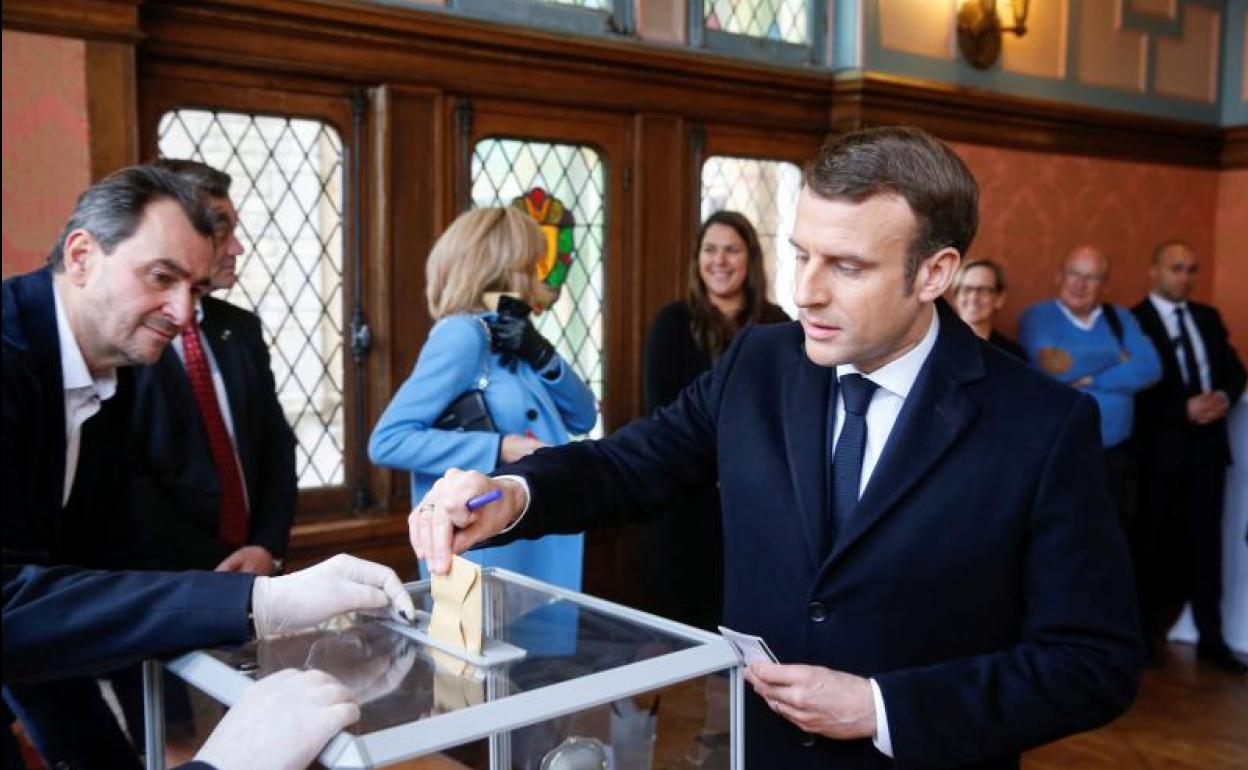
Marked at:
<point>979,29</point>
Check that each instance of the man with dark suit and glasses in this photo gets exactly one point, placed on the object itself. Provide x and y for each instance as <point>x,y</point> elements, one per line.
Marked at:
<point>917,523</point>
<point>1184,449</point>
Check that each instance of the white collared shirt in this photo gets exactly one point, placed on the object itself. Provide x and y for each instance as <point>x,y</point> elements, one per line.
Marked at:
<point>84,393</point>
<point>895,379</point>
<point>1076,320</point>
<point>1165,308</point>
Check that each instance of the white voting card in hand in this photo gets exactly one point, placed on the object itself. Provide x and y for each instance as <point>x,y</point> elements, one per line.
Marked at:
<point>750,648</point>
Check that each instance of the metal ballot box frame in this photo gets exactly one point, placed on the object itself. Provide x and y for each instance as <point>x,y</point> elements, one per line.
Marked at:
<point>549,653</point>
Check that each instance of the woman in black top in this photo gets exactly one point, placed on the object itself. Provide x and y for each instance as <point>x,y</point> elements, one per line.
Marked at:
<point>727,290</point>
<point>978,293</point>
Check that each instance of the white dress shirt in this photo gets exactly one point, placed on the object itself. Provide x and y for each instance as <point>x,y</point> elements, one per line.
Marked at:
<point>1165,308</point>
<point>84,392</point>
<point>895,379</point>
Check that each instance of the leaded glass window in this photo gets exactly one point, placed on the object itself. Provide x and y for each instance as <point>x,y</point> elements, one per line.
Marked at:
<point>288,188</point>
<point>598,5</point>
<point>503,169</point>
<point>765,191</point>
<point>785,20</point>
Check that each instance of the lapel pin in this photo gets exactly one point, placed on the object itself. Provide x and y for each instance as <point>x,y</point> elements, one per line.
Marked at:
<point>225,335</point>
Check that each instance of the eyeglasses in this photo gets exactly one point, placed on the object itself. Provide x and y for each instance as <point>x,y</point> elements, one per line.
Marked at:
<point>975,291</point>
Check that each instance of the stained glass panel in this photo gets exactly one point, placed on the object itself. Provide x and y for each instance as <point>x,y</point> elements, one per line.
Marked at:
<point>503,169</point>
<point>288,189</point>
<point>784,20</point>
<point>765,191</point>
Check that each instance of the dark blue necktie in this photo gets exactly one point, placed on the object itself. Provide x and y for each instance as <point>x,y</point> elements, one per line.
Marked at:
<point>850,446</point>
<point>1192,382</point>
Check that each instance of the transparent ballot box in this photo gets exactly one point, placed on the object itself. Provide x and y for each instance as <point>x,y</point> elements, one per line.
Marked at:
<point>565,681</point>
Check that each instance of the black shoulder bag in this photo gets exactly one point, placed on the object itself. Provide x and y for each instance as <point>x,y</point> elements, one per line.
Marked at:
<point>469,411</point>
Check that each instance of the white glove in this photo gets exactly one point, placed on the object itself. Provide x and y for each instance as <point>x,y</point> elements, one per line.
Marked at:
<point>302,599</point>
<point>280,723</point>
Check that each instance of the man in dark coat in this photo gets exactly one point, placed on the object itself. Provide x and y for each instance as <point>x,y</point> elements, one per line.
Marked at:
<point>1184,450</point>
<point>917,523</point>
<point>181,498</point>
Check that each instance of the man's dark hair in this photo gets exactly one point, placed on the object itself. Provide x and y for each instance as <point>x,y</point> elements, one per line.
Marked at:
<point>1161,249</point>
<point>112,208</point>
<point>998,272</point>
<point>210,181</point>
<point>908,162</point>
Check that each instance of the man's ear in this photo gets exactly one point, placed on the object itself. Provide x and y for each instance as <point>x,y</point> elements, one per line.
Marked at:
<point>936,274</point>
<point>79,246</point>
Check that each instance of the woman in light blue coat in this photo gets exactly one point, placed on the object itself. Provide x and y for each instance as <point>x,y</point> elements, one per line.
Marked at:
<point>534,397</point>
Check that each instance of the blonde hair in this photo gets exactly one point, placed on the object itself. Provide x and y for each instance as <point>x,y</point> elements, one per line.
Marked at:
<point>484,250</point>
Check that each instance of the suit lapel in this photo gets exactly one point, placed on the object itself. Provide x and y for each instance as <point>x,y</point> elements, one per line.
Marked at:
<point>806,399</point>
<point>935,414</point>
<point>37,308</point>
<point>1155,329</point>
<point>177,386</point>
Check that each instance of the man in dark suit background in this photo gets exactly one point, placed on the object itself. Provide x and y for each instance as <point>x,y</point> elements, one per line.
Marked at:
<point>917,523</point>
<point>1184,448</point>
<point>177,489</point>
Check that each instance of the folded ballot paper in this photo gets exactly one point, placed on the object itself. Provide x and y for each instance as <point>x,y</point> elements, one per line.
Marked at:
<point>457,606</point>
<point>750,648</point>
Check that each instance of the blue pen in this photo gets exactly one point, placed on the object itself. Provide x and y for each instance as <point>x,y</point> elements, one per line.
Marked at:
<point>483,500</point>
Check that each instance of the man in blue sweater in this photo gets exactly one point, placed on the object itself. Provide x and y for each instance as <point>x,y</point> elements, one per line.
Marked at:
<point>1096,347</point>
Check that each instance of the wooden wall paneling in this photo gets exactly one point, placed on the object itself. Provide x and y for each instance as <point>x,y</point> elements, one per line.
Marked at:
<point>998,120</point>
<point>112,106</point>
<point>409,192</point>
<point>1235,148</point>
<point>666,220</point>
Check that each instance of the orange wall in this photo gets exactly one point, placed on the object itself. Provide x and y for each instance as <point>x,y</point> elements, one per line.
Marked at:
<point>46,153</point>
<point>1230,291</point>
<point>1035,207</point>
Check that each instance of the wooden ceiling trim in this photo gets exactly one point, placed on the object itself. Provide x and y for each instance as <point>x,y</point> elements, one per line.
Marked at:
<point>1235,151</point>
<point>111,20</point>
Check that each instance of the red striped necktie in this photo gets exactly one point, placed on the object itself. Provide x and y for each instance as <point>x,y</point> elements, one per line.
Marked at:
<point>232,526</point>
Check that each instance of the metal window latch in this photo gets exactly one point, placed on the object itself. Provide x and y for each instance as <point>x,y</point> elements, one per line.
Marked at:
<point>361,338</point>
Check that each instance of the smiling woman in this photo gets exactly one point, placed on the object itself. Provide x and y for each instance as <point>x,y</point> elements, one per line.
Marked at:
<point>727,290</point>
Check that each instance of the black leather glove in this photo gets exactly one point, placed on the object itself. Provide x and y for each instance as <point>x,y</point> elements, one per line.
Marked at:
<point>513,336</point>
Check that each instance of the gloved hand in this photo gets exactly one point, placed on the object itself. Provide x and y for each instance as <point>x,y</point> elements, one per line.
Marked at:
<point>281,722</point>
<point>513,335</point>
<point>305,598</point>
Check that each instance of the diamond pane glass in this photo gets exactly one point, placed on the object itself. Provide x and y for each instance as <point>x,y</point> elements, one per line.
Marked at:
<point>784,20</point>
<point>505,168</point>
<point>598,5</point>
<point>765,191</point>
<point>288,188</point>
